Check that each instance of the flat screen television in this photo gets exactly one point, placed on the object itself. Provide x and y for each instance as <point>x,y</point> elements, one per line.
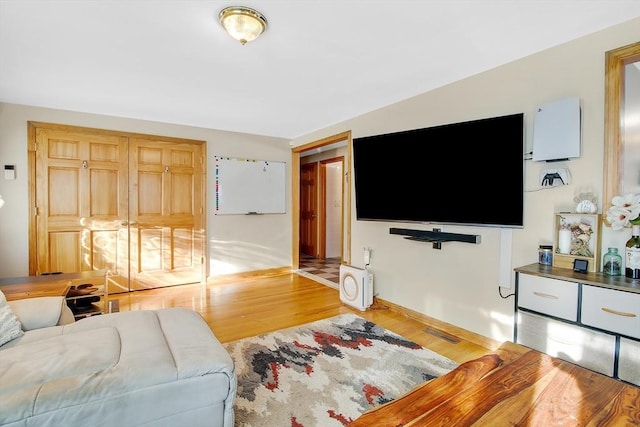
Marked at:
<point>468,173</point>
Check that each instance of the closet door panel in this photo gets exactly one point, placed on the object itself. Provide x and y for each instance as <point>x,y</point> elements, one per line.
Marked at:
<point>104,193</point>
<point>149,200</point>
<point>184,254</point>
<point>128,203</point>
<point>63,204</point>
<point>65,251</point>
<point>181,185</point>
<point>151,247</point>
<point>167,213</point>
<point>80,177</point>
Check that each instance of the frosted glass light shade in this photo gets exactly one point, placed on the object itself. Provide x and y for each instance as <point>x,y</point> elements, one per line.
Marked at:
<point>242,23</point>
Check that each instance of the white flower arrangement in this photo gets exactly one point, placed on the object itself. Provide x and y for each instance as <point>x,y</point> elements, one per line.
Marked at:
<point>624,212</point>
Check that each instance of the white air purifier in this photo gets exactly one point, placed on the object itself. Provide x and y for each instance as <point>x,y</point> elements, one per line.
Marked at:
<point>356,287</point>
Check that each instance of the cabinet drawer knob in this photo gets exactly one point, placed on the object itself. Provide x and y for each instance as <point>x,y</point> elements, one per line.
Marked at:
<point>543,295</point>
<point>618,313</point>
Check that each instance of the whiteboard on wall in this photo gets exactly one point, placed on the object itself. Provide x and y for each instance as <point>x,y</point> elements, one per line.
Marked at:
<point>249,187</point>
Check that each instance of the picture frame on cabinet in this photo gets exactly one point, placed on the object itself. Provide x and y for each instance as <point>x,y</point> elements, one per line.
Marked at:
<point>577,237</point>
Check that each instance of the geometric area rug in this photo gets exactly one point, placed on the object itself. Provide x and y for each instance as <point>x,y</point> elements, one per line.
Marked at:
<point>326,373</point>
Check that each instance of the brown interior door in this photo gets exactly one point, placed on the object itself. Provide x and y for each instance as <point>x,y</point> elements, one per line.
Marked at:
<point>309,209</point>
<point>81,181</point>
<point>166,216</point>
<point>112,201</point>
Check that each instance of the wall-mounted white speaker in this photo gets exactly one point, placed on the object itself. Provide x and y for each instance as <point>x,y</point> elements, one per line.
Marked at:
<point>356,287</point>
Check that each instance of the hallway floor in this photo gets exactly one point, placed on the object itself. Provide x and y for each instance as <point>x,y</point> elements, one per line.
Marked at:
<point>328,268</point>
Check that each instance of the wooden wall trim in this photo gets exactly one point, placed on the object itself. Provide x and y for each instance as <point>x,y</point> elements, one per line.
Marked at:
<point>110,132</point>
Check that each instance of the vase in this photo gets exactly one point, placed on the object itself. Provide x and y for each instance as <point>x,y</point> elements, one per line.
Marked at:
<point>612,263</point>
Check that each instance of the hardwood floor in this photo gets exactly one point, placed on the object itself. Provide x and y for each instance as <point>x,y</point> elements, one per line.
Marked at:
<point>246,307</point>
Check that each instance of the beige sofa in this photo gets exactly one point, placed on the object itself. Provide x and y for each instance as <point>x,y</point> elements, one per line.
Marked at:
<point>153,368</point>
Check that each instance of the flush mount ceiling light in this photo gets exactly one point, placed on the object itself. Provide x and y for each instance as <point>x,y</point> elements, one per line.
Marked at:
<point>242,23</point>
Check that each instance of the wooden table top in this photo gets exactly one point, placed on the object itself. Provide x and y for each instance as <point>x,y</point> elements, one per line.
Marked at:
<point>513,386</point>
<point>43,286</point>
<point>33,290</point>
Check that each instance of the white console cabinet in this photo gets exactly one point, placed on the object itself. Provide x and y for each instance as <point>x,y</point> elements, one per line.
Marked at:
<point>591,319</point>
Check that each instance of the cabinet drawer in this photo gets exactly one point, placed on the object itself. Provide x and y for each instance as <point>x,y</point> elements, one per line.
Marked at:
<point>549,296</point>
<point>629,361</point>
<point>615,311</point>
<point>585,347</point>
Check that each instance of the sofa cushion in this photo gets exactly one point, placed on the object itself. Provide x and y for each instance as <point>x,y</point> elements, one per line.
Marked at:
<point>154,366</point>
<point>41,312</point>
<point>51,359</point>
<point>10,327</point>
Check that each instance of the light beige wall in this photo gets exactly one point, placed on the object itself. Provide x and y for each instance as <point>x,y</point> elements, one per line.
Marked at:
<point>459,284</point>
<point>236,243</point>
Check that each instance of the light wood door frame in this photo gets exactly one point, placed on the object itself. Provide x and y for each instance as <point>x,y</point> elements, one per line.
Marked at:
<point>295,197</point>
<point>32,146</point>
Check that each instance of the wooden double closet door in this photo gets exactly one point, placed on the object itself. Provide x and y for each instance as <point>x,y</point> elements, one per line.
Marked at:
<point>129,204</point>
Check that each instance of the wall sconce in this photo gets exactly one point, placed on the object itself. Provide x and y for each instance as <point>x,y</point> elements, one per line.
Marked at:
<point>242,23</point>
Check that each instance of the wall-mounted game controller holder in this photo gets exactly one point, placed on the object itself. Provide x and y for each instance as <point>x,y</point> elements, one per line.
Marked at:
<point>554,177</point>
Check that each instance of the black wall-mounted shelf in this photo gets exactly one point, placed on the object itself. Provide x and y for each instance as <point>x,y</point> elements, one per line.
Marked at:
<point>436,236</point>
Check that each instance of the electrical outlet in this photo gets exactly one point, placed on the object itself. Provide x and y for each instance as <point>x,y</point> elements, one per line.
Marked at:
<point>367,256</point>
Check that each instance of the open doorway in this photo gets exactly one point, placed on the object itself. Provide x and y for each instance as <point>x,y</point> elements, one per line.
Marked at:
<point>321,203</point>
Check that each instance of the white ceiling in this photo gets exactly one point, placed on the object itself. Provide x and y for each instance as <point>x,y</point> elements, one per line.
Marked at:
<point>319,62</point>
